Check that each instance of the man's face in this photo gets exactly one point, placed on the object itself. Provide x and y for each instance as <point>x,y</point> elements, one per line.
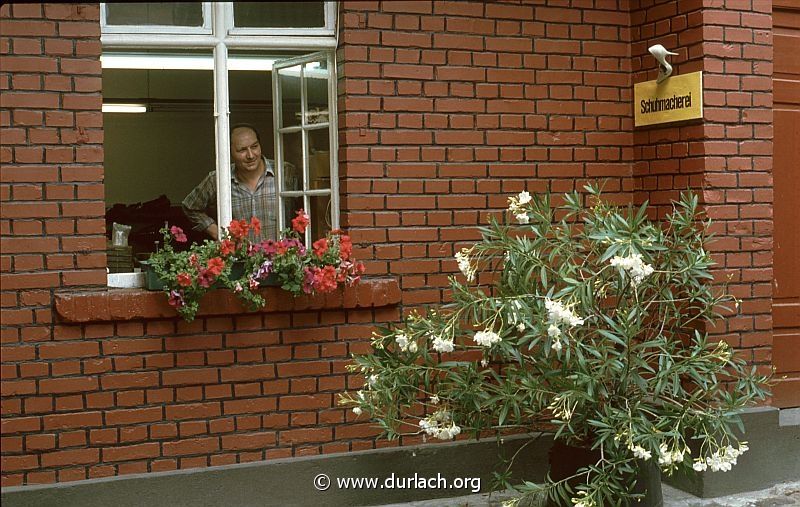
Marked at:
<point>246,151</point>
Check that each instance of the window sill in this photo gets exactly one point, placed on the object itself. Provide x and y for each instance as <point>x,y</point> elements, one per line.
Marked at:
<point>130,304</point>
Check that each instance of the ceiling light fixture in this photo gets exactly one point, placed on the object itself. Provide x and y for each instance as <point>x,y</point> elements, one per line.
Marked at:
<point>124,108</point>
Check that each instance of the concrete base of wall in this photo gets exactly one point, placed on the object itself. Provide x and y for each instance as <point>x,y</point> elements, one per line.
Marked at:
<point>773,436</point>
<point>774,457</point>
<point>291,481</point>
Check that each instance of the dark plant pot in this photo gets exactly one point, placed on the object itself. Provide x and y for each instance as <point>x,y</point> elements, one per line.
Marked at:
<point>566,460</point>
<point>153,282</point>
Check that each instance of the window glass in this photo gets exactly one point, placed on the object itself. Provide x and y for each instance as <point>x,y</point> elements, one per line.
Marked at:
<point>290,95</point>
<point>155,13</point>
<point>279,14</point>
<point>153,159</point>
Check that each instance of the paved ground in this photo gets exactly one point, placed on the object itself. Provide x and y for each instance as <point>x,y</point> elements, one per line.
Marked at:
<point>786,494</point>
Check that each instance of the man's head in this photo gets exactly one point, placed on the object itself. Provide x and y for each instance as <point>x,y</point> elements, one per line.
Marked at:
<point>246,149</point>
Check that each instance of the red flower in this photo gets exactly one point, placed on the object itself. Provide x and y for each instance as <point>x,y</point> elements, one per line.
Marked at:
<point>345,247</point>
<point>238,228</point>
<point>320,247</point>
<point>227,247</point>
<point>301,221</point>
<point>281,247</point>
<point>325,279</point>
<point>184,280</point>
<point>215,266</point>
<point>178,234</point>
<point>255,224</point>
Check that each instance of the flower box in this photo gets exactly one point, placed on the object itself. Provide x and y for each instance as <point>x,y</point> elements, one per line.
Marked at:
<point>153,282</point>
<point>241,264</point>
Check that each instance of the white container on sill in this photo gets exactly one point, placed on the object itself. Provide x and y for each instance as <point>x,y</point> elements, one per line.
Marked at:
<point>126,280</point>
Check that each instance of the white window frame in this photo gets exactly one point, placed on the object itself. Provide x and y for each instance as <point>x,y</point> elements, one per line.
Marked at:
<point>223,37</point>
<point>304,127</point>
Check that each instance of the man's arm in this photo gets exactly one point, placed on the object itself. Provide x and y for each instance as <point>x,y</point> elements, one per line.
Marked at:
<point>198,201</point>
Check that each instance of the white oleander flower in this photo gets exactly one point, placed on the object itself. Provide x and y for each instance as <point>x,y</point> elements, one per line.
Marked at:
<point>435,399</point>
<point>402,341</point>
<point>521,327</point>
<point>668,457</point>
<point>442,345</point>
<point>700,465</point>
<point>640,452</point>
<point>484,362</point>
<point>440,425</point>
<point>557,345</point>
<point>412,347</point>
<point>558,313</point>
<point>524,197</point>
<point>486,338</point>
<point>522,218</point>
<point>357,410</point>
<point>634,267</point>
<point>464,264</point>
<point>553,331</point>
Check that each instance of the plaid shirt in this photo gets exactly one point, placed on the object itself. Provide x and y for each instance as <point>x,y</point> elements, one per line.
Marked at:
<point>245,203</point>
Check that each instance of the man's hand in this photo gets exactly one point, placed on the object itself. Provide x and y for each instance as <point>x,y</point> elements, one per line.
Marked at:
<point>213,231</point>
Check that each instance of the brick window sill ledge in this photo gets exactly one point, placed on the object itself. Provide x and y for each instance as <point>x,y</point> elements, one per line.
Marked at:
<point>130,304</point>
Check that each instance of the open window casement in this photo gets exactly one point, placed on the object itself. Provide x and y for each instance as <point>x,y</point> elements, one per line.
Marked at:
<point>304,121</point>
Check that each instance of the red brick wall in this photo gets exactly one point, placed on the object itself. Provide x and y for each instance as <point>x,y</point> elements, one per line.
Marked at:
<point>445,109</point>
<point>727,158</point>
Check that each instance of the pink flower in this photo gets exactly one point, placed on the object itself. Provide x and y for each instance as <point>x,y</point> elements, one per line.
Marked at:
<point>178,234</point>
<point>268,247</point>
<point>308,281</point>
<point>176,298</point>
<point>301,221</point>
<point>253,283</point>
<point>205,278</point>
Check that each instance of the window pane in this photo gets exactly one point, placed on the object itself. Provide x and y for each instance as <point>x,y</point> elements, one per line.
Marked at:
<point>154,159</point>
<point>319,159</point>
<point>321,222</point>
<point>155,13</point>
<point>316,81</point>
<point>292,147</point>
<point>290,95</point>
<point>279,14</point>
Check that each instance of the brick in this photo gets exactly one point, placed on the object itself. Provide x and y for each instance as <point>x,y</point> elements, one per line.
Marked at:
<point>69,421</point>
<point>191,446</point>
<point>71,457</point>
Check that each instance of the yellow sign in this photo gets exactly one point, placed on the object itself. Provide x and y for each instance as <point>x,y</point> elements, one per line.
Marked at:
<point>677,98</point>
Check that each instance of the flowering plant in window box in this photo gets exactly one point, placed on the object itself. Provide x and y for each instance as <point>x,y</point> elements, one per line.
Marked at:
<point>240,264</point>
<point>590,323</point>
